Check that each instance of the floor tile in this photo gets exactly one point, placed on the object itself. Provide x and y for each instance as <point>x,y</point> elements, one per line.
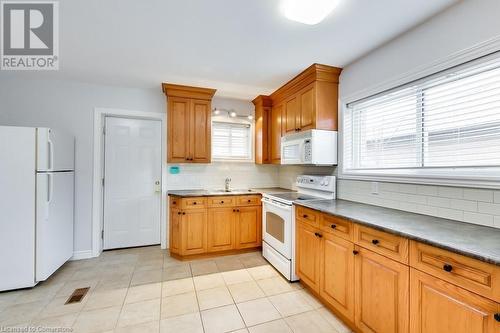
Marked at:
<point>262,272</point>
<point>238,276</point>
<point>151,327</point>
<point>212,298</point>
<point>104,299</point>
<point>97,320</point>
<point>175,287</point>
<point>245,291</point>
<point>276,326</point>
<point>258,311</point>
<point>176,272</point>
<point>291,303</point>
<point>57,307</point>
<point>65,321</point>
<point>188,323</point>
<point>311,299</point>
<point>275,285</point>
<point>69,287</point>
<point>141,312</point>
<point>208,281</point>
<point>222,319</point>
<point>204,267</point>
<point>145,277</point>
<point>143,292</point>
<point>20,313</point>
<point>177,305</point>
<point>308,322</point>
<point>116,282</point>
<point>42,292</point>
<point>243,330</point>
<point>339,326</point>
<point>225,264</point>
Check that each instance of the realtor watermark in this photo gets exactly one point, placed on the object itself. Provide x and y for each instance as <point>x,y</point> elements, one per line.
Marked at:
<point>29,35</point>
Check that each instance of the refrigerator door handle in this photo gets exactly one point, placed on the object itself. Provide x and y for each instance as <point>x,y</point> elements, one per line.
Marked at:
<point>50,146</point>
<point>50,188</point>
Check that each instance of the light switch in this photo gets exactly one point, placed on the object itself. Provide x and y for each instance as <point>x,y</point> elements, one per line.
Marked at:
<point>374,187</point>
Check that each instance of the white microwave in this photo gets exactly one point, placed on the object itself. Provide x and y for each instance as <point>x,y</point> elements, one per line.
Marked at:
<point>313,147</point>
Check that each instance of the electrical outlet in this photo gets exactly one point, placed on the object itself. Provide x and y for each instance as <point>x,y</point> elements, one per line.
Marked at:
<point>374,187</point>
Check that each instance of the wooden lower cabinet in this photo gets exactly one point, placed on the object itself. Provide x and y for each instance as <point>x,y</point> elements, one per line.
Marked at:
<point>175,224</point>
<point>220,229</point>
<point>381,293</point>
<point>248,227</point>
<point>308,246</point>
<point>337,274</point>
<point>439,306</point>
<point>193,228</point>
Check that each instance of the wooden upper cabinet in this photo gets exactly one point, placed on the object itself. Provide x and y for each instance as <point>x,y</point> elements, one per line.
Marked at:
<point>276,130</point>
<point>305,119</point>
<point>188,123</point>
<point>263,123</point>
<point>290,115</point>
<point>381,293</point>
<point>439,306</point>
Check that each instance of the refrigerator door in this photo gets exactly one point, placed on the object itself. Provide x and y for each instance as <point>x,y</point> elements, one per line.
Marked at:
<point>56,150</point>
<point>54,221</point>
<point>17,207</point>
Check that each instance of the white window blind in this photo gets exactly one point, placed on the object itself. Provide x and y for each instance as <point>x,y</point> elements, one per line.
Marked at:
<point>231,141</point>
<point>448,120</point>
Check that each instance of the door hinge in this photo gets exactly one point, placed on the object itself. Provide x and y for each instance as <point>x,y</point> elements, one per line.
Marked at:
<point>103,182</point>
<point>102,234</point>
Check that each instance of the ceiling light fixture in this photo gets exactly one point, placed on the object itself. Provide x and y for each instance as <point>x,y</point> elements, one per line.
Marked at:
<point>216,112</point>
<point>250,117</point>
<point>233,114</point>
<point>308,11</point>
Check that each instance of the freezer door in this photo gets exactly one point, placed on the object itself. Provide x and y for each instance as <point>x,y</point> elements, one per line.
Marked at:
<point>56,150</point>
<point>54,222</point>
<point>17,207</point>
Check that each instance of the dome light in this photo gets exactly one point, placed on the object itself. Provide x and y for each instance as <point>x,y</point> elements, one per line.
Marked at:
<point>308,11</point>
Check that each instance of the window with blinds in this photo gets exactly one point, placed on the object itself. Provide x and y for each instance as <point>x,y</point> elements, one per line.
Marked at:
<point>450,120</point>
<point>231,141</point>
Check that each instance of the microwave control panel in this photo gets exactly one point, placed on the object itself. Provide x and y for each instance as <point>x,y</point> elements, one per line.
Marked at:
<point>307,151</point>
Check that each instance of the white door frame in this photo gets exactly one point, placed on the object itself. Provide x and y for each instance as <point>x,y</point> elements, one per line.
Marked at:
<point>98,172</point>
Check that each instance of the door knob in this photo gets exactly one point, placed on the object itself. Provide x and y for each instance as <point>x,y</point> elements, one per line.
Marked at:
<point>158,187</point>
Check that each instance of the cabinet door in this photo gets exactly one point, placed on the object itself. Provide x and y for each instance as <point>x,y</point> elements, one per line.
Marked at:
<point>178,129</point>
<point>175,234</point>
<point>337,274</point>
<point>307,255</point>
<point>194,231</point>
<point>262,134</point>
<point>248,227</point>
<point>220,236</point>
<point>200,129</point>
<point>381,293</point>
<point>291,112</point>
<point>306,117</point>
<point>276,117</point>
<point>439,306</point>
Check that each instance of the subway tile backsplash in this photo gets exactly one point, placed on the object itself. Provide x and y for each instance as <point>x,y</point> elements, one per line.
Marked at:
<point>478,206</point>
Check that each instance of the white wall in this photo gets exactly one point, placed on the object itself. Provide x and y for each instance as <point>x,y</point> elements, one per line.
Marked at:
<point>461,27</point>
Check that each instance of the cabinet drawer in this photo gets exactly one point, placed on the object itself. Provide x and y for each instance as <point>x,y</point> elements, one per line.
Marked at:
<point>468,273</point>
<point>308,215</point>
<point>194,203</point>
<point>386,244</point>
<point>175,202</point>
<point>248,200</point>
<point>223,201</point>
<point>337,226</point>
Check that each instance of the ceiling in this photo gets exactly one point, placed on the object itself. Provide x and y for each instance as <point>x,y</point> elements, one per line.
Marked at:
<point>240,47</point>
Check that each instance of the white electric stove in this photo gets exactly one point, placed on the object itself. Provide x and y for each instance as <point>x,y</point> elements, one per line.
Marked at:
<point>278,220</point>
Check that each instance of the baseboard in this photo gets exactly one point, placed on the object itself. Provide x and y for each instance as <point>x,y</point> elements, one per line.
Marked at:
<point>79,255</point>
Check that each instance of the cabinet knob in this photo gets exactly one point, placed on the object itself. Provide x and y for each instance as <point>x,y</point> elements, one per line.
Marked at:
<point>194,203</point>
<point>179,213</point>
<point>183,213</point>
<point>447,267</point>
<point>304,216</point>
<point>174,202</point>
<point>497,316</point>
<point>318,234</point>
<point>355,252</point>
<point>238,210</point>
<point>333,226</point>
<point>375,241</point>
<point>222,201</point>
<point>249,200</point>
<point>234,210</point>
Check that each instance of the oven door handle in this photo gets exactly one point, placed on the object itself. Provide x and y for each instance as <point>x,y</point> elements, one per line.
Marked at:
<point>274,203</point>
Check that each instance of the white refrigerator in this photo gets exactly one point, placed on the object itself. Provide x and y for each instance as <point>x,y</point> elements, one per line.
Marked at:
<point>36,204</point>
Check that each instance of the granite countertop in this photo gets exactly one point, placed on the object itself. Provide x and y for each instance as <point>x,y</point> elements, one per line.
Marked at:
<point>471,240</point>
<point>211,193</point>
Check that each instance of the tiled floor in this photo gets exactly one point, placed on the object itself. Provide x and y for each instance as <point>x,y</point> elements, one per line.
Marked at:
<point>145,290</point>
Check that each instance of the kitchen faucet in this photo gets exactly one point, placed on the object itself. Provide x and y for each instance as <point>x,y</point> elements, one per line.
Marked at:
<point>227,185</point>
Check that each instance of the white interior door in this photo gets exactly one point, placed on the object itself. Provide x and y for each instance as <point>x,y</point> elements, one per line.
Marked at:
<point>132,185</point>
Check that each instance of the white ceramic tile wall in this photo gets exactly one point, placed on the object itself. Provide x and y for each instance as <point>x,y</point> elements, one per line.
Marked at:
<point>478,206</point>
<point>211,176</point>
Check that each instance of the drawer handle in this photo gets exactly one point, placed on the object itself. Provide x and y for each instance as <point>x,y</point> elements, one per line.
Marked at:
<point>333,226</point>
<point>222,201</point>
<point>448,267</point>
<point>497,317</point>
<point>355,252</point>
<point>318,235</point>
<point>194,203</point>
<point>249,200</point>
<point>179,213</point>
<point>375,241</point>
<point>305,216</point>
<point>238,210</point>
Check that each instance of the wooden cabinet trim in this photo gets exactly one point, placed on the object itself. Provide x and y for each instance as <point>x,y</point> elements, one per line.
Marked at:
<point>177,90</point>
<point>389,245</point>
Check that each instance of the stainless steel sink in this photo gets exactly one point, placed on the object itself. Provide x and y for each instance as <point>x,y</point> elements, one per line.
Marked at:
<point>232,191</point>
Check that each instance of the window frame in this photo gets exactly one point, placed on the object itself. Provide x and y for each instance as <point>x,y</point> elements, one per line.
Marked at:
<point>222,119</point>
<point>476,176</point>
